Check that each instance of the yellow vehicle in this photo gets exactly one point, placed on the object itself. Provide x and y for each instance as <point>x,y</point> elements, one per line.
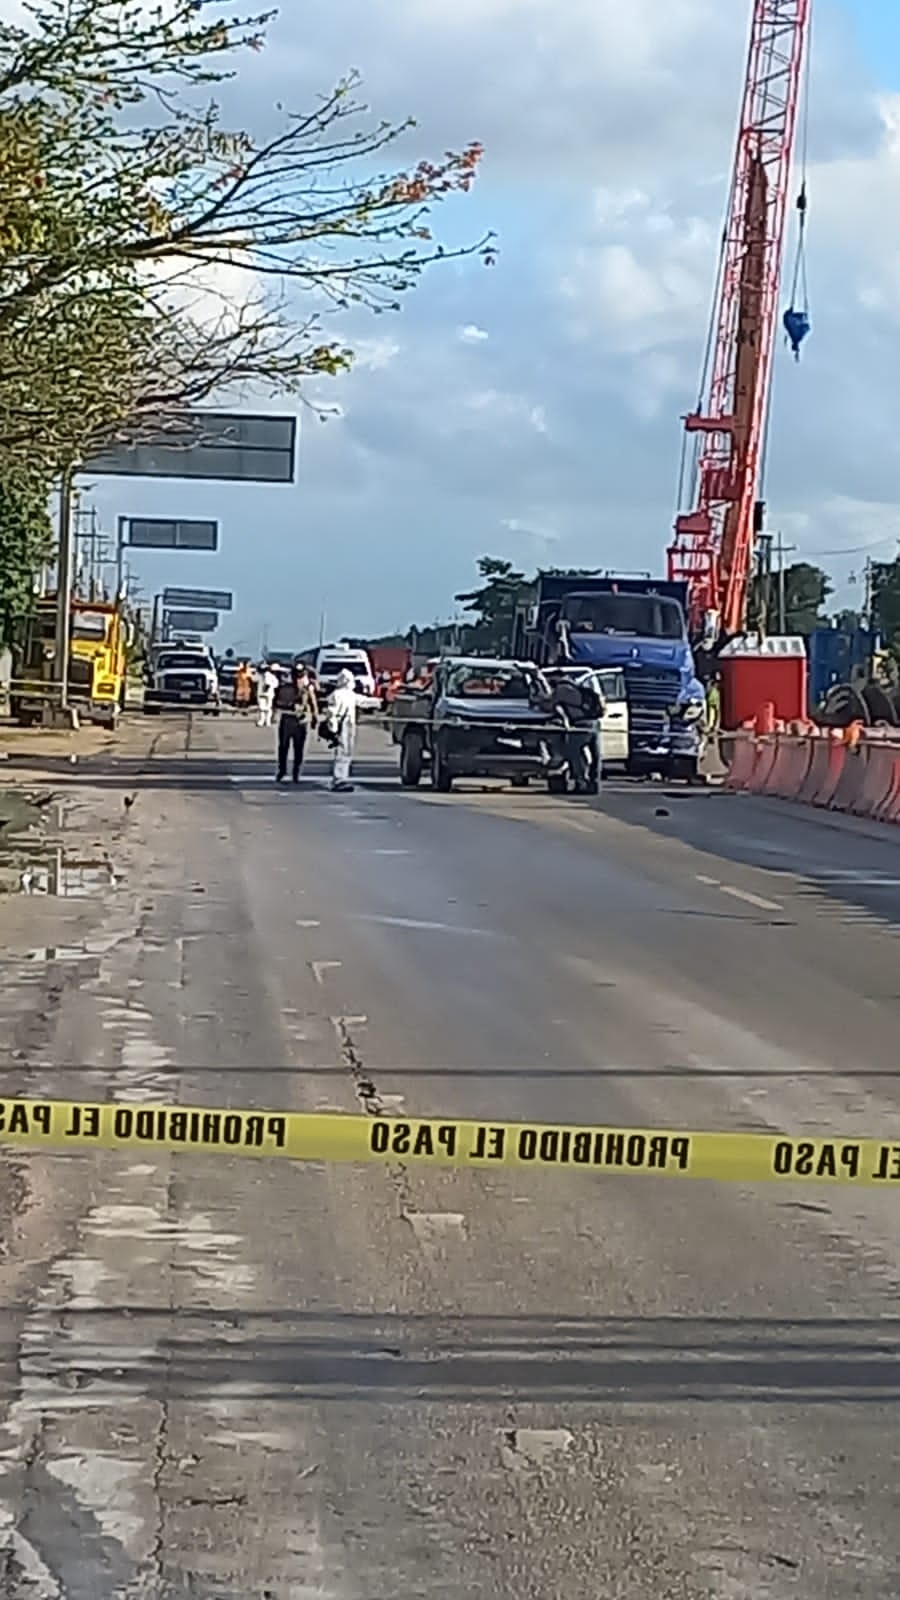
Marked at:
<point>98,656</point>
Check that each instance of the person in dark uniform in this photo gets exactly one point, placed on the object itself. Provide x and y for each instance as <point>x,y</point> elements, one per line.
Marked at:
<point>297,710</point>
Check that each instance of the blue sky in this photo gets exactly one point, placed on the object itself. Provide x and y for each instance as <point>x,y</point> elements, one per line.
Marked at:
<point>877,23</point>
<point>532,410</point>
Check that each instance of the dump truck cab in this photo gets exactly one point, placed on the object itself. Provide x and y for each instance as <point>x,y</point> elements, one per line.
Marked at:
<point>584,620</point>
<point>99,639</point>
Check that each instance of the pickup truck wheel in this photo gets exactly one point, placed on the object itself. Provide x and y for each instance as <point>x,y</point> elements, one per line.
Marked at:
<point>685,769</point>
<point>520,782</point>
<point>557,783</point>
<point>411,752</point>
<point>441,776</point>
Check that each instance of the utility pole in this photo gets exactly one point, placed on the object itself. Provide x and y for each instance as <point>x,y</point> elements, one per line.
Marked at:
<point>64,586</point>
<point>121,525</point>
<point>869,593</point>
<point>782,550</point>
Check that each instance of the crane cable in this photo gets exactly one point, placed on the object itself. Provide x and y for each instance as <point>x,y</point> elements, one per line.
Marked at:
<point>796,319</point>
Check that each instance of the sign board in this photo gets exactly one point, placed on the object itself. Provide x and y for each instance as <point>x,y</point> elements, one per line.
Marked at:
<point>215,599</point>
<point>227,446</point>
<point>162,533</point>
<point>183,622</point>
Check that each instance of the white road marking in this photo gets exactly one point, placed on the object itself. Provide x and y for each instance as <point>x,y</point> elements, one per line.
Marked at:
<point>750,899</point>
<point>859,877</point>
<point>424,927</point>
<point>308,923</point>
<point>348,1022</point>
<point>319,968</point>
<point>390,852</point>
<point>739,894</point>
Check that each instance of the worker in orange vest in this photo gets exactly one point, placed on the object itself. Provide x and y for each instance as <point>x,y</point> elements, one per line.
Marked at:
<point>243,687</point>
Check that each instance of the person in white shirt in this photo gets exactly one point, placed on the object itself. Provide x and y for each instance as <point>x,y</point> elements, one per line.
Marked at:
<point>266,684</point>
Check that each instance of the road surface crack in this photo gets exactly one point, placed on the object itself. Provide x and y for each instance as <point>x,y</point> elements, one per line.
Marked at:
<point>372,1104</point>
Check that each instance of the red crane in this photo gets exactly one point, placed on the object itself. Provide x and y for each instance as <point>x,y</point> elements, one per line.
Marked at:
<point>713,546</point>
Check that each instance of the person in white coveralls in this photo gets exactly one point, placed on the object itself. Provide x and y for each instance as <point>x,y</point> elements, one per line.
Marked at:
<point>266,683</point>
<point>340,720</point>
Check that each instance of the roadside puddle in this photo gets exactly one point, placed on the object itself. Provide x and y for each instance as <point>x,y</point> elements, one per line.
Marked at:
<point>51,870</point>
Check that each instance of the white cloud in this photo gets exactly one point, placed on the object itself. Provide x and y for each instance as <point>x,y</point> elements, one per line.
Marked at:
<point>856,211</point>
<point>374,355</point>
<point>213,295</point>
<point>608,131</point>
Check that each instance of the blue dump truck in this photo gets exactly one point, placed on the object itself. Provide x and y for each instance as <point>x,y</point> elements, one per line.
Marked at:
<point>637,624</point>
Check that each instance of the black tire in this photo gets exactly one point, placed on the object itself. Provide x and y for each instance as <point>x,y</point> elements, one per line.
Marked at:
<point>879,706</point>
<point>441,776</point>
<point>521,781</point>
<point>685,769</point>
<point>557,783</point>
<point>411,753</point>
<point>151,711</point>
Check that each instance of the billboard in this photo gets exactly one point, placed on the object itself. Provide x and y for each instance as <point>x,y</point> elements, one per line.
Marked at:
<point>214,599</point>
<point>162,533</point>
<point>185,622</point>
<point>227,446</point>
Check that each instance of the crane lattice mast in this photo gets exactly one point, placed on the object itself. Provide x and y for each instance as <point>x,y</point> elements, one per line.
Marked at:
<point>713,545</point>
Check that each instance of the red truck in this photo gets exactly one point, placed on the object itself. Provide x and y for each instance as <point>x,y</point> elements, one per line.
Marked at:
<point>393,658</point>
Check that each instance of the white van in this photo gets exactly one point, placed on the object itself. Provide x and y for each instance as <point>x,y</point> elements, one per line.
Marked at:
<point>333,659</point>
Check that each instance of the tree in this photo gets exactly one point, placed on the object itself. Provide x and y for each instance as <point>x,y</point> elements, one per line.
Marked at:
<point>26,544</point>
<point>111,177</point>
<point>806,590</point>
<point>847,620</point>
<point>494,603</point>
<point>886,604</point>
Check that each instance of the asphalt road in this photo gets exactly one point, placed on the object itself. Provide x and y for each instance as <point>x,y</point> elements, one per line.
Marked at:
<point>242,1381</point>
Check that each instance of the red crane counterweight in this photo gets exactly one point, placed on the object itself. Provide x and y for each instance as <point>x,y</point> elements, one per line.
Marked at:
<point>713,546</point>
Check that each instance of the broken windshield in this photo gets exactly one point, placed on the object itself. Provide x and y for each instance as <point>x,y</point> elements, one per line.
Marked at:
<point>481,683</point>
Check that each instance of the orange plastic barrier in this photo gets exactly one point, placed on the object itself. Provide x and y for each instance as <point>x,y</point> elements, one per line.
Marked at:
<point>825,767</point>
<point>744,761</point>
<point>877,779</point>
<point>792,761</point>
<point>765,763</point>
<point>855,770</point>
<point>889,808</point>
<point>852,778</point>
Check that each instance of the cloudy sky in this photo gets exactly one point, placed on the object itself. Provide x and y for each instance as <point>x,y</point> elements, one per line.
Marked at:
<point>532,410</point>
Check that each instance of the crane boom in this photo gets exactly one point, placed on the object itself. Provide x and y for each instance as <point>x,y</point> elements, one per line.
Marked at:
<point>713,545</point>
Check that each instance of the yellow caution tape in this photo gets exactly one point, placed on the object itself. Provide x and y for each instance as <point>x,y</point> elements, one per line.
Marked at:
<point>442,1142</point>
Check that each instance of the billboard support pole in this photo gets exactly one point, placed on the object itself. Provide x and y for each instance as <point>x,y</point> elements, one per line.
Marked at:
<point>121,523</point>
<point>64,587</point>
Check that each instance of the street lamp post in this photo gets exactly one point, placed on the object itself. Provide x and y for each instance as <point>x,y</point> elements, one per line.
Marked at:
<point>64,587</point>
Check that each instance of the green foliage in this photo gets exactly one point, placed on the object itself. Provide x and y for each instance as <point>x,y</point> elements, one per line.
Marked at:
<point>494,603</point>
<point>886,604</point>
<point>116,185</point>
<point>26,544</point>
<point>806,591</point>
